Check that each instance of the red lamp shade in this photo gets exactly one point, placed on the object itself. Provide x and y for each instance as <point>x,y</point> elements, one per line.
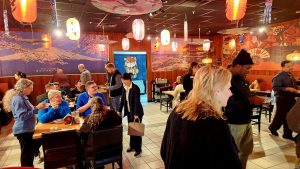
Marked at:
<point>125,44</point>
<point>24,10</point>
<point>138,29</point>
<point>235,9</point>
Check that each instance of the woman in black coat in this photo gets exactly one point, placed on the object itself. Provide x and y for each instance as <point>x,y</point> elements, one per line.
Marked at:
<point>196,135</point>
<point>131,97</point>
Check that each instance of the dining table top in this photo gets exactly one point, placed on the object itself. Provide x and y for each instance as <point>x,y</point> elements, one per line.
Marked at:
<point>55,126</point>
<point>168,92</point>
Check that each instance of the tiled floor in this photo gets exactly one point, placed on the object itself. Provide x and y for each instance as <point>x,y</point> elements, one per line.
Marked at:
<point>269,151</point>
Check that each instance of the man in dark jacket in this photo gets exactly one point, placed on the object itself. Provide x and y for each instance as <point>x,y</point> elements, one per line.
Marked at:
<point>238,111</point>
<point>187,81</point>
<point>114,87</point>
<point>285,88</point>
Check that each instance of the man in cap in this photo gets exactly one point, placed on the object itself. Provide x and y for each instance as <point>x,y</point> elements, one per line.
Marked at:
<point>238,111</point>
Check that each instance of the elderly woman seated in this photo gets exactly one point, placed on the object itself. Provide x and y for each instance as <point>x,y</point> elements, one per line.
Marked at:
<point>100,118</point>
<point>57,109</point>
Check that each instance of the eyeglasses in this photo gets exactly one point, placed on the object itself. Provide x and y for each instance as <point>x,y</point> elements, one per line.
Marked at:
<point>94,87</point>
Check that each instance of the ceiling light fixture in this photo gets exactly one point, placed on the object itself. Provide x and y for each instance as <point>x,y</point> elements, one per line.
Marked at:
<point>57,33</point>
<point>261,29</point>
<point>235,9</point>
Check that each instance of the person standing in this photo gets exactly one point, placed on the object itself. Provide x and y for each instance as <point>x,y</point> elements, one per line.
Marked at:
<point>196,134</point>
<point>133,109</point>
<point>62,80</point>
<point>188,78</point>
<point>238,111</point>
<point>16,100</point>
<point>114,87</point>
<point>285,87</point>
<point>85,75</point>
<point>19,75</point>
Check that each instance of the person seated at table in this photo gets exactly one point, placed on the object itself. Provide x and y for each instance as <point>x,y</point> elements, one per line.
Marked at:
<point>255,85</point>
<point>177,91</point>
<point>83,103</point>
<point>79,88</point>
<point>100,118</point>
<point>178,81</point>
<point>44,96</point>
<point>57,109</point>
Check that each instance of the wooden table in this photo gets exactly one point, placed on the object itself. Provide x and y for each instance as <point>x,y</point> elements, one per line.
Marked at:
<point>168,92</point>
<point>45,128</point>
<point>262,93</point>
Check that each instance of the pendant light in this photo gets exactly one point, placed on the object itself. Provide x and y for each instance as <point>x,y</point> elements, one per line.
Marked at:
<point>138,29</point>
<point>73,29</point>
<point>125,44</point>
<point>235,9</point>
<point>165,37</point>
<point>24,11</point>
<point>185,29</point>
<point>174,44</point>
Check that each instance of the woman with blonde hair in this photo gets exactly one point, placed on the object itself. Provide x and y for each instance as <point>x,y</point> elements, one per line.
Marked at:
<point>196,134</point>
<point>16,100</point>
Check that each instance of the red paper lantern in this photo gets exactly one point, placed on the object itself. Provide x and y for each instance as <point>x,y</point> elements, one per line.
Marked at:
<point>125,44</point>
<point>235,9</point>
<point>138,29</point>
<point>24,10</point>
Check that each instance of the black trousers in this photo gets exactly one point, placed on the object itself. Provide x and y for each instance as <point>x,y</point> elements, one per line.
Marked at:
<point>135,142</point>
<point>27,145</point>
<point>283,106</point>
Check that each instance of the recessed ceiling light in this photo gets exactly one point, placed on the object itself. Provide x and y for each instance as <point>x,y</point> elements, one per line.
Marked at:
<point>298,12</point>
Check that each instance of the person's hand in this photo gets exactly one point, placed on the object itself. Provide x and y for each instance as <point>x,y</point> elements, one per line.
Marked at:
<point>54,104</point>
<point>119,113</point>
<point>136,117</point>
<point>290,89</point>
<point>41,106</point>
<point>107,87</point>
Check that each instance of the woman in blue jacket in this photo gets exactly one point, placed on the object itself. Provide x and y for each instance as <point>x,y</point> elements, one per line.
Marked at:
<point>57,109</point>
<point>16,100</point>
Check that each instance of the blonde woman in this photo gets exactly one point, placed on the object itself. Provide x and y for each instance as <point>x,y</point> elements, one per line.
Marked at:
<point>196,134</point>
<point>16,100</point>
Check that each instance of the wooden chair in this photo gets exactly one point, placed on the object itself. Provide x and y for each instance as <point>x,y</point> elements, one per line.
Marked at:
<point>267,109</point>
<point>165,100</point>
<point>107,146</point>
<point>256,115</point>
<point>61,149</point>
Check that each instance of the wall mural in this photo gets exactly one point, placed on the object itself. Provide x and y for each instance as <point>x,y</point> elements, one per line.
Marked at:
<point>164,59</point>
<point>18,52</point>
<point>267,49</point>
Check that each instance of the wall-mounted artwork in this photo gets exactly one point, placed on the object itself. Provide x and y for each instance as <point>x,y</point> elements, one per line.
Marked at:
<point>268,48</point>
<point>22,52</point>
<point>165,59</point>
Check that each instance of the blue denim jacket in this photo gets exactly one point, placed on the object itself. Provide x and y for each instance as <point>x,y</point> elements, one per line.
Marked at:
<point>23,112</point>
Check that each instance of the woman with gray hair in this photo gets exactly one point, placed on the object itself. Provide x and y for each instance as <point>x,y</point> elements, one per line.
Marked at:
<point>16,100</point>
